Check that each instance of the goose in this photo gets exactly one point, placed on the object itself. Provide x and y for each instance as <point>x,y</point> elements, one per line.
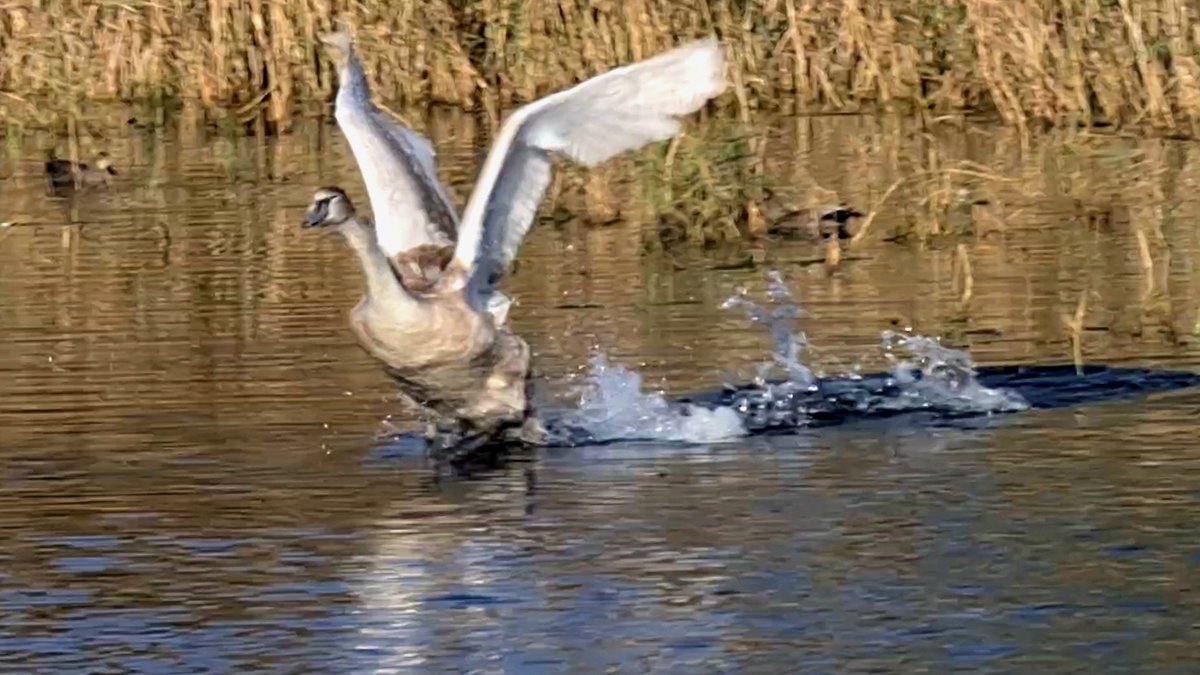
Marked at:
<point>449,359</point>
<point>64,173</point>
<point>432,313</point>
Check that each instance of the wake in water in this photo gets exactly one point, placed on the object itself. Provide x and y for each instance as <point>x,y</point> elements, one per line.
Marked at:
<point>785,394</point>
<point>925,381</point>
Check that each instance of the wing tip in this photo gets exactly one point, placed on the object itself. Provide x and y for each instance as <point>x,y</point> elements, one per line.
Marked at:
<point>705,67</point>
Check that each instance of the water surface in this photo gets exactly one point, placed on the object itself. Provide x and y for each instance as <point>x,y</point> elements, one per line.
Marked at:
<point>191,478</point>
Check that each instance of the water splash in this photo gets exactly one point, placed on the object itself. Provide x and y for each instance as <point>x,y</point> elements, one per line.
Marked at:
<point>612,406</point>
<point>785,394</point>
<point>923,374</point>
<point>929,374</point>
<point>783,381</point>
<point>787,343</point>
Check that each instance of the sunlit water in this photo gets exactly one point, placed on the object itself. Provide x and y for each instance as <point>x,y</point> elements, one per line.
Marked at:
<point>201,471</point>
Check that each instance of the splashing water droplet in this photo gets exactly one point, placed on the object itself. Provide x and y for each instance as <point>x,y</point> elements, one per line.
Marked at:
<point>923,375</point>
<point>612,406</point>
<point>931,374</point>
<point>787,343</point>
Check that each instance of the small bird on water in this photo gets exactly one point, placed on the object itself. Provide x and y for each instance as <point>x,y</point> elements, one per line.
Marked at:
<point>816,220</point>
<point>64,174</point>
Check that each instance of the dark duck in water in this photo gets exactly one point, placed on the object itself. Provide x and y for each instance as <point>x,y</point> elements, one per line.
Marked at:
<point>64,174</point>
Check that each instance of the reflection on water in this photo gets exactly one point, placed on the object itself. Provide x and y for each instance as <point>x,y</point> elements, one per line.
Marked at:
<point>189,481</point>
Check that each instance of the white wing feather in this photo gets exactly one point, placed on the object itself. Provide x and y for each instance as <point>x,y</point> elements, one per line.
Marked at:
<point>623,109</point>
<point>398,165</point>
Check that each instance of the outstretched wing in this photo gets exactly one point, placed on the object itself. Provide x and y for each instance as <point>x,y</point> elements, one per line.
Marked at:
<point>398,165</point>
<point>623,109</point>
<point>424,160</point>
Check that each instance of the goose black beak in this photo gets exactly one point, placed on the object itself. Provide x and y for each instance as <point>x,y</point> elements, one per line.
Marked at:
<point>316,214</point>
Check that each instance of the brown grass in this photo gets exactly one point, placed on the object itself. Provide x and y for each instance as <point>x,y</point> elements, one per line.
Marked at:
<point>1030,61</point>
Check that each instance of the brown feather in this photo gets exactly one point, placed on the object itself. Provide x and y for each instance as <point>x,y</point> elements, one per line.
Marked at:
<point>420,268</point>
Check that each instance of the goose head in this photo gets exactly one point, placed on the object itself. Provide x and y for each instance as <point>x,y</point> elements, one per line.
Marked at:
<point>330,207</point>
<point>338,45</point>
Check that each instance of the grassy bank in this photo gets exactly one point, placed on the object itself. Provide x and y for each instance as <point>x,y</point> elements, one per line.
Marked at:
<point>1059,61</point>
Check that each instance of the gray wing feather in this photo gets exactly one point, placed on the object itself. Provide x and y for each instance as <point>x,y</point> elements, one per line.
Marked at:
<point>424,158</point>
<point>398,165</point>
<point>518,193</point>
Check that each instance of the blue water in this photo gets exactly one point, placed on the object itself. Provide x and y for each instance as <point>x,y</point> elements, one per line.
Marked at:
<point>906,548</point>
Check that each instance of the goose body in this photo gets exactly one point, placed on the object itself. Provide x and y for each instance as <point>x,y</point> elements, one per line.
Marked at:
<point>432,314</point>
<point>462,365</point>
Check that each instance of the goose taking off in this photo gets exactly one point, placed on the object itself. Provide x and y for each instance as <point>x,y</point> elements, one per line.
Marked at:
<point>433,316</point>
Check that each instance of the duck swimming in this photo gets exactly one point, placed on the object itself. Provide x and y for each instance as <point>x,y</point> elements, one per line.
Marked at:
<point>64,173</point>
<point>816,221</point>
<point>432,313</point>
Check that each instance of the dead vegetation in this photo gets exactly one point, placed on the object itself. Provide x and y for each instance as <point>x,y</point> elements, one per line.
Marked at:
<point>1030,61</point>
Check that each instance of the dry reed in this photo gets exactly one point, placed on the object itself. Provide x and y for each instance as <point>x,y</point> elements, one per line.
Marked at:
<point>1030,61</point>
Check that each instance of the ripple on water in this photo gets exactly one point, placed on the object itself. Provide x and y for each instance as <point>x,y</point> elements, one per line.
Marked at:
<point>185,417</point>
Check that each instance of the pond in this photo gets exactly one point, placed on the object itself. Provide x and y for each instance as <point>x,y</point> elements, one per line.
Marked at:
<point>200,469</point>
